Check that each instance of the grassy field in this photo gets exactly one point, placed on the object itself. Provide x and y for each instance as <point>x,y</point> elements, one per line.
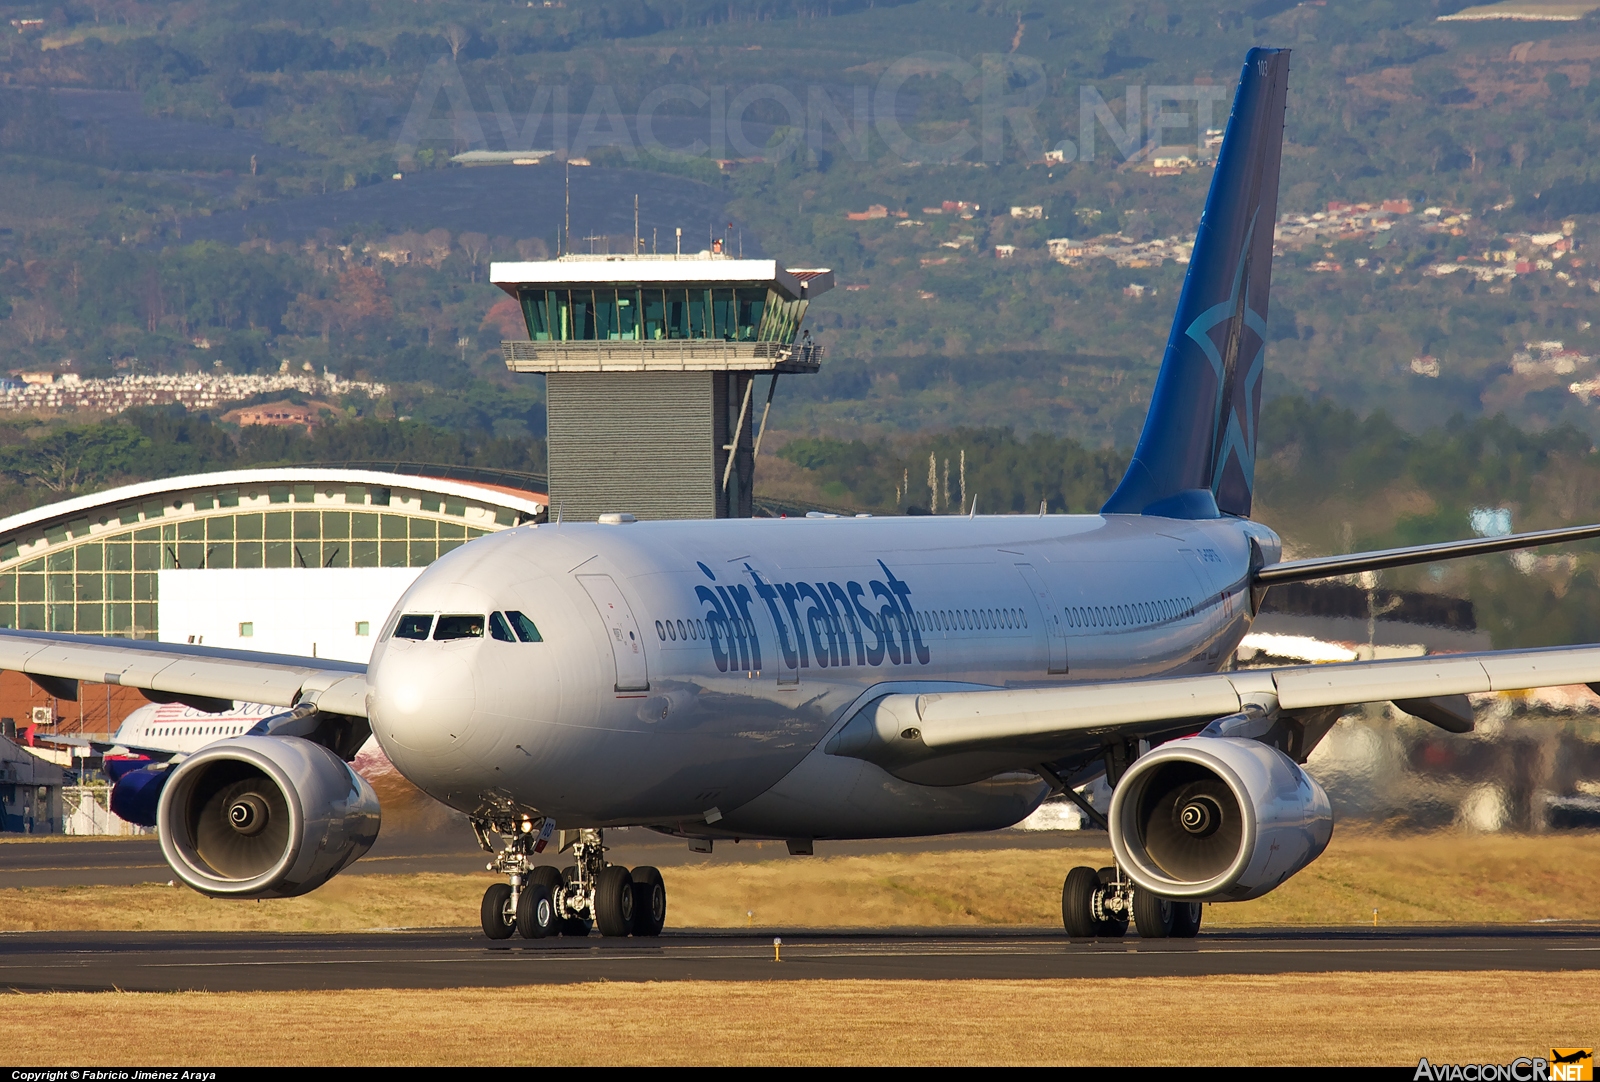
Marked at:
<point>1435,878</point>
<point>1323,1018</point>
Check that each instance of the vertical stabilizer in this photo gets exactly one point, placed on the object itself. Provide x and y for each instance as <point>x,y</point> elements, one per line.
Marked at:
<point>1197,453</point>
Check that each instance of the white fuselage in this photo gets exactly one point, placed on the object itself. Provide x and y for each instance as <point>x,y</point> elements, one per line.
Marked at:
<point>690,673</point>
<point>180,729</point>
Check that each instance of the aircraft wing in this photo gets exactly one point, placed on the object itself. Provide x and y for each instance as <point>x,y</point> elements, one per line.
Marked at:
<point>205,677</point>
<point>961,736</point>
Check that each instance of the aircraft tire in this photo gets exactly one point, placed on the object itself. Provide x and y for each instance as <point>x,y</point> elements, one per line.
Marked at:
<point>1077,902</point>
<point>1185,919</point>
<point>613,901</point>
<point>1114,927</point>
<point>1152,915</point>
<point>536,912</point>
<point>498,920</point>
<point>649,902</point>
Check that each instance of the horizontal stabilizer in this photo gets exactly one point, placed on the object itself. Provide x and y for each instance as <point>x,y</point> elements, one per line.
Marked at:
<point>1327,567</point>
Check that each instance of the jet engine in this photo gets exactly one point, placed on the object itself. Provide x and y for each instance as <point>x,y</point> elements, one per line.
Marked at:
<point>1217,819</point>
<point>264,817</point>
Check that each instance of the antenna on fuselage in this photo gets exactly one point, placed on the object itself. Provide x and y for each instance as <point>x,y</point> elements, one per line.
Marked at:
<point>558,512</point>
<point>1042,504</point>
<point>972,512</point>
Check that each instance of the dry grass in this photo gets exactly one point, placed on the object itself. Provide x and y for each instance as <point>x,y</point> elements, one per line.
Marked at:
<point>1436,879</point>
<point>1323,1018</point>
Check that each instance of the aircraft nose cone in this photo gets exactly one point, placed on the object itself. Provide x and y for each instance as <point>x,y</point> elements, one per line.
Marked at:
<point>423,699</point>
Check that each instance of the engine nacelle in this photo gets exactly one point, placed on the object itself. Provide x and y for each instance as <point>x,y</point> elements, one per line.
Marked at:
<point>1217,819</point>
<point>264,817</point>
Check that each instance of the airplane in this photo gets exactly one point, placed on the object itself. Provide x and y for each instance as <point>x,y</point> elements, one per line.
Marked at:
<point>834,677</point>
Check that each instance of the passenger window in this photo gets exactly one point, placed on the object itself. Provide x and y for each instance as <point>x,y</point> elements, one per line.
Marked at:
<point>523,627</point>
<point>499,629</point>
<point>413,627</point>
<point>459,627</point>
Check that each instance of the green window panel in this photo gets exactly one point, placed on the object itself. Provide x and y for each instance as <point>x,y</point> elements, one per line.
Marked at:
<point>446,546</point>
<point>8,589</point>
<point>61,618</point>
<point>56,535</point>
<point>277,526</point>
<point>144,586</point>
<point>8,616</point>
<point>119,587</point>
<point>228,497</point>
<point>393,554</point>
<point>193,530</point>
<point>33,565</point>
<point>424,553</point>
<point>394,528</point>
<point>220,528</point>
<point>336,554</point>
<point>9,551</point>
<point>355,495</point>
<point>60,561</point>
<point>191,554</point>
<point>422,528</point>
<point>146,556</point>
<point>91,557</point>
<point>380,496</point>
<point>306,554</point>
<point>91,587</point>
<point>204,502</point>
<point>248,554</point>
<point>154,509</point>
<point>277,554</point>
<point>121,619</point>
<point>150,533</point>
<point>335,525</point>
<point>473,531</point>
<point>249,526</point>
<point>278,494</point>
<point>169,532</point>
<point>90,619</point>
<point>430,503</point>
<point>363,526</point>
<point>30,617</point>
<point>305,494</point>
<point>363,554</point>
<point>30,588</point>
<point>308,525</point>
<point>455,507</point>
<point>454,531</point>
<point>504,516</point>
<point>61,588</point>
<point>119,556</point>
<point>220,556</point>
<point>144,621</point>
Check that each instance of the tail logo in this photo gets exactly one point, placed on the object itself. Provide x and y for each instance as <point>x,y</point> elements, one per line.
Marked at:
<point>1235,436</point>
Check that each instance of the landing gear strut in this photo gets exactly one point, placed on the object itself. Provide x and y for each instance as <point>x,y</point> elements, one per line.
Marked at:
<point>542,900</point>
<point>1102,903</point>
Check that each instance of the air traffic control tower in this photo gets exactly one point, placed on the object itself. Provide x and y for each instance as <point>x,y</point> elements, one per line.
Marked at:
<point>650,364</point>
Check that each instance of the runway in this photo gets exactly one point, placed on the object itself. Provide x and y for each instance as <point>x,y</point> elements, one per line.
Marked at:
<point>454,958</point>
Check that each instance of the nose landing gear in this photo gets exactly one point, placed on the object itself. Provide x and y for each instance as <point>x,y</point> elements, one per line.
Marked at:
<point>542,901</point>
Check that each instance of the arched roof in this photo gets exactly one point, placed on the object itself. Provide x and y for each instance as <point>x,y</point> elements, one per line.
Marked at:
<point>486,506</point>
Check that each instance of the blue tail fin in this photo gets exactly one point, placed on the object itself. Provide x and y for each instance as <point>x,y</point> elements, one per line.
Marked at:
<point>1197,453</point>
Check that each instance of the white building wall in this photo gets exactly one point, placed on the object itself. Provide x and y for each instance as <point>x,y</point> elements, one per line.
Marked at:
<point>290,610</point>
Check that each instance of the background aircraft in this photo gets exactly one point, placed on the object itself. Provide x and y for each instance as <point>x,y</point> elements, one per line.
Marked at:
<point>839,677</point>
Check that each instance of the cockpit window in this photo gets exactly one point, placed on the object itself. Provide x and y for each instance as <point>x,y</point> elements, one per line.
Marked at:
<point>459,627</point>
<point>500,629</point>
<point>525,629</point>
<point>413,627</point>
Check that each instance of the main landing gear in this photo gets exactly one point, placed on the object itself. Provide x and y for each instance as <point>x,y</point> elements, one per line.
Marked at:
<point>1101,903</point>
<point>542,900</point>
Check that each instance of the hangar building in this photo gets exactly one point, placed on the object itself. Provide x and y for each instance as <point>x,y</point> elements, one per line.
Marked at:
<point>294,559</point>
